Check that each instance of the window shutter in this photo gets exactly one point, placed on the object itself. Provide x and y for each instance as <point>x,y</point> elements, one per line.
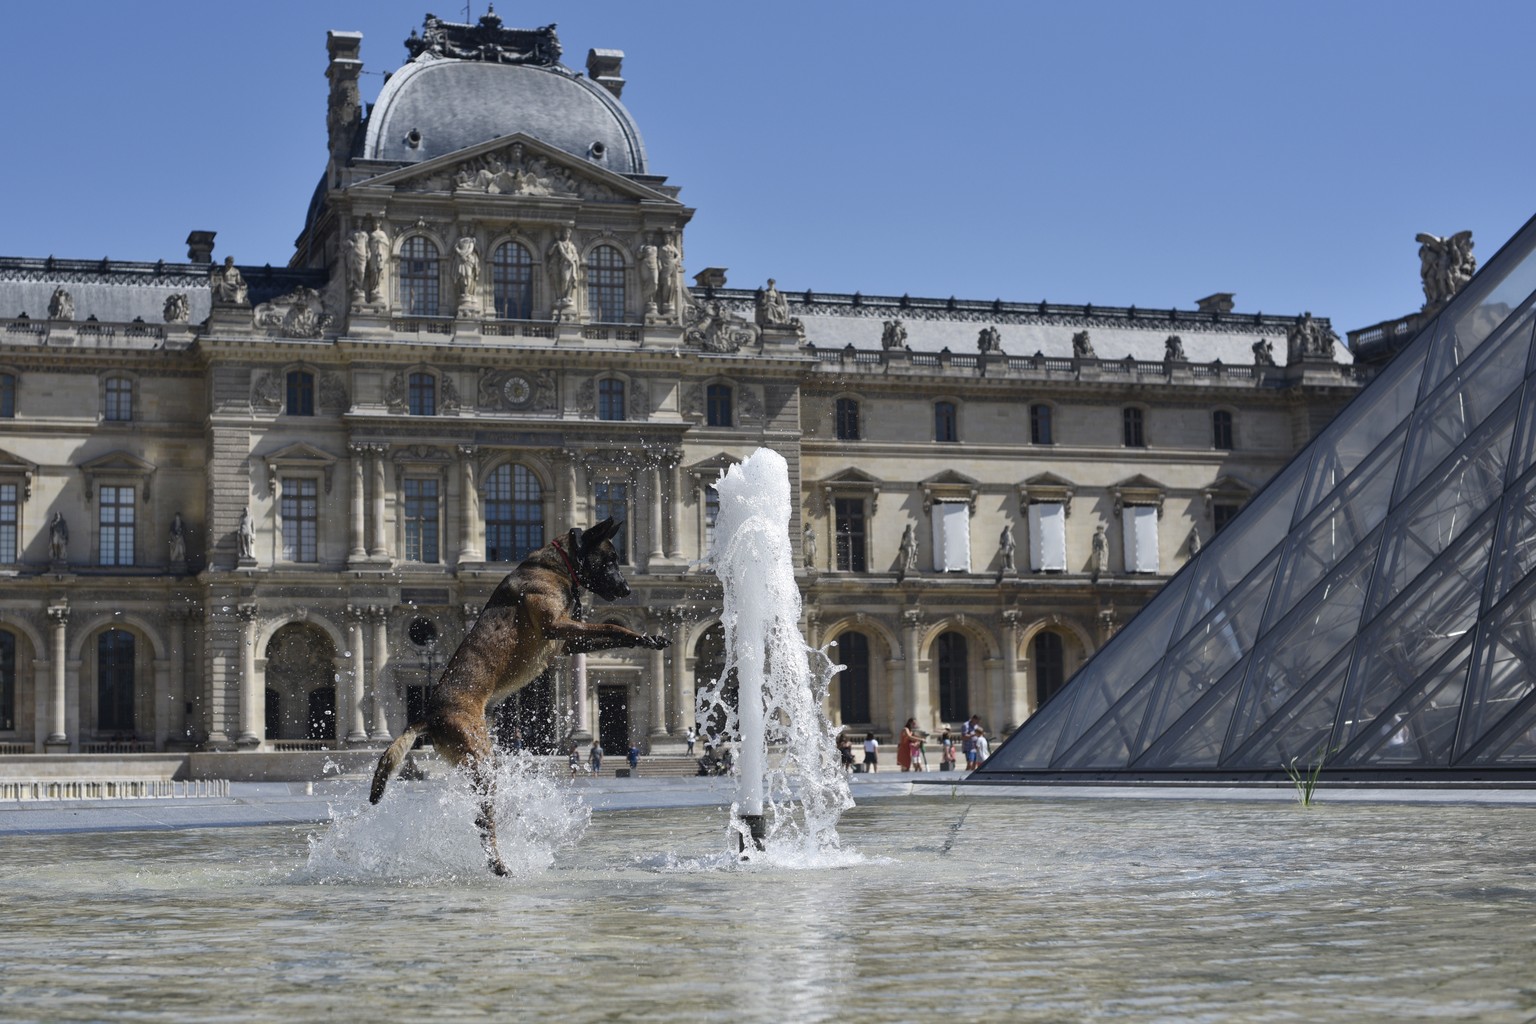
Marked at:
<point>1047,537</point>
<point>1139,527</point>
<point>952,536</point>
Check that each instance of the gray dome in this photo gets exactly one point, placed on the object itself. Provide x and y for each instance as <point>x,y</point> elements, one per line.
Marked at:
<point>455,104</point>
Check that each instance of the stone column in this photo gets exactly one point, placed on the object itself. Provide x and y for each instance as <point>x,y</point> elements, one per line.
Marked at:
<point>357,680</point>
<point>653,484</point>
<point>176,711</point>
<point>656,665</point>
<point>683,712</point>
<point>58,703</point>
<point>916,695</point>
<point>675,507</point>
<point>1015,698</point>
<point>471,537</point>
<point>380,619</point>
<point>162,702</point>
<point>253,703</point>
<point>380,549</point>
<point>356,520</point>
<point>582,732</point>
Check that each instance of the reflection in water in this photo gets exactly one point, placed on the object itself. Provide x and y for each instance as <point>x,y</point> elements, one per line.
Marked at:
<point>986,909</point>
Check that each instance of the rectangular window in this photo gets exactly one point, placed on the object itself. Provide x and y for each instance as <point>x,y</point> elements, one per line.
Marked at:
<point>1040,425</point>
<point>1221,430</point>
<point>119,400</point>
<point>846,419</point>
<point>610,399</point>
<point>7,396</point>
<point>421,527</point>
<point>718,406</point>
<point>944,426</point>
<point>10,516</point>
<point>1135,428</point>
<point>422,394</point>
<point>1047,537</point>
<point>300,511</point>
<point>612,499</point>
<point>952,536</point>
<point>1138,524</point>
<point>852,555</point>
<point>115,526</point>
<point>301,393</point>
<point>1223,513</point>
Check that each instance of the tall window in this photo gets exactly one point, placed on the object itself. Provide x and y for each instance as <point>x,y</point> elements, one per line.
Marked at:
<point>7,681</point>
<point>1050,666</point>
<point>421,529</point>
<point>7,396</point>
<point>300,509</point>
<point>514,514</point>
<point>301,393</point>
<point>1040,425</point>
<point>852,555</point>
<point>1135,427</point>
<point>114,681</point>
<point>954,698</point>
<point>846,419</point>
<point>1223,512</point>
<point>419,277</point>
<point>119,399</point>
<point>944,426</point>
<point>10,518</point>
<point>605,285</point>
<point>853,680</point>
<point>1221,430</point>
<point>421,393</point>
<point>610,399</point>
<point>512,282</point>
<point>611,498</point>
<point>717,405</point>
<point>115,525</point>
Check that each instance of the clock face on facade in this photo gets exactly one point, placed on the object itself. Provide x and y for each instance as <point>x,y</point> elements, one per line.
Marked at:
<point>517,390</point>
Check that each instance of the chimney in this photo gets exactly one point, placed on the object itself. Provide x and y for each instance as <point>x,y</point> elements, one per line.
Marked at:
<point>344,105</point>
<point>603,67</point>
<point>1221,302</point>
<point>200,246</point>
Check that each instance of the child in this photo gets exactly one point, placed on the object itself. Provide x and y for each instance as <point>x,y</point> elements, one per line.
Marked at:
<point>946,752</point>
<point>871,753</point>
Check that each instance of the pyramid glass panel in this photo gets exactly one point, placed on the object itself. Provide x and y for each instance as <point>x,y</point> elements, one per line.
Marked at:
<point>1373,609</point>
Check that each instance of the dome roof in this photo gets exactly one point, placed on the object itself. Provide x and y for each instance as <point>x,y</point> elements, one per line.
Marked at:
<point>435,105</point>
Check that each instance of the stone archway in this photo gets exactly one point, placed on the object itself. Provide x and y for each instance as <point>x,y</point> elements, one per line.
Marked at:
<point>301,674</point>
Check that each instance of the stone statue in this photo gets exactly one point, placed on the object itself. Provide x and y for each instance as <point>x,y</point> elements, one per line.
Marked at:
<point>377,273</point>
<point>893,335</point>
<point>1006,547</point>
<point>1263,353</point>
<point>989,340</point>
<point>1173,350</point>
<point>563,261</point>
<point>906,560</point>
<point>466,271</point>
<point>1445,265</point>
<point>357,265</point>
<point>810,546</point>
<point>58,539</point>
<point>227,285</point>
<point>771,308</point>
<point>178,540</point>
<point>649,266</point>
<point>1098,562</point>
<point>669,268</point>
<point>1082,346</point>
<point>1194,541</point>
<point>177,310</point>
<point>1308,339</point>
<point>245,536</point>
<point>62,305</point>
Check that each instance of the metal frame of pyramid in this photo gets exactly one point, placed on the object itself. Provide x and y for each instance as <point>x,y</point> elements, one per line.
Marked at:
<point>1372,609</point>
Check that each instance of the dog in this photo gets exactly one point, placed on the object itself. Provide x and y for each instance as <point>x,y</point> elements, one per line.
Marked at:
<point>532,615</point>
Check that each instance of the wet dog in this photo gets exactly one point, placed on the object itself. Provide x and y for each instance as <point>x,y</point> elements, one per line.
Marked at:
<point>534,614</point>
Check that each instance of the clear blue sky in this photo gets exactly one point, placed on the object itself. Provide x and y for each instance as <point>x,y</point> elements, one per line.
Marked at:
<point>1114,153</point>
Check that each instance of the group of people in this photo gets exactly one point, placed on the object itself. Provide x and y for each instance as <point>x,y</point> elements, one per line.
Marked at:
<point>595,755</point>
<point>911,748</point>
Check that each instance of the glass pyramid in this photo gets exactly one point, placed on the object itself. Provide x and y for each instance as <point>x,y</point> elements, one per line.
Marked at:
<point>1373,608</point>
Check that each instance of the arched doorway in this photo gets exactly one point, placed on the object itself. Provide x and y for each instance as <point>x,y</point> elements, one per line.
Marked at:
<point>301,685</point>
<point>853,680</point>
<point>115,684</point>
<point>1050,659</point>
<point>708,670</point>
<point>951,658</point>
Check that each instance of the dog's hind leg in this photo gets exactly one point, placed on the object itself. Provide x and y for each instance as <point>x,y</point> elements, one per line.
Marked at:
<point>482,775</point>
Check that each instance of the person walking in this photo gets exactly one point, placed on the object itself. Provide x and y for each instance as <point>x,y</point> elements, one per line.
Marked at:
<point>968,741</point>
<point>904,744</point>
<point>596,756</point>
<point>845,751</point>
<point>634,759</point>
<point>871,753</point>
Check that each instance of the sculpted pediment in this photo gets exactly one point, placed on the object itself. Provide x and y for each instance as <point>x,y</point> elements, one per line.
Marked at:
<point>516,165</point>
<point>299,457</point>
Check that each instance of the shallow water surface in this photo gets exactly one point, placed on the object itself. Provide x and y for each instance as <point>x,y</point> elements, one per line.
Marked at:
<point>947,909</point>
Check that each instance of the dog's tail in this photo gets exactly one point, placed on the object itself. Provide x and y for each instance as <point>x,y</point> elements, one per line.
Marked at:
<point>390,760</point>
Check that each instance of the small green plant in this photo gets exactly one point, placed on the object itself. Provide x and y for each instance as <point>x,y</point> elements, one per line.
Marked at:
<point>1304,777</point>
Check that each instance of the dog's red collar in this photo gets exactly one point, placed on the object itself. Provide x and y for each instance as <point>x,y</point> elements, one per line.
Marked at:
<point>570,567</point>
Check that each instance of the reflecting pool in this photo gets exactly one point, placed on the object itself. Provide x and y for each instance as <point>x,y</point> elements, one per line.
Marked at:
<point>943,908</point>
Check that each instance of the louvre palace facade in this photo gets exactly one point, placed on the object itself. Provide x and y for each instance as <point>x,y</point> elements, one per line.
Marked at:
<point>255,507</point>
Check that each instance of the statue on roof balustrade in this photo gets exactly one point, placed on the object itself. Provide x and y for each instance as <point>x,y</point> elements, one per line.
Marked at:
<point>62,305</point>
<point>228,285</point>
<point>1082,346</point>
<point>893,335</point>
<point>1445,265</point>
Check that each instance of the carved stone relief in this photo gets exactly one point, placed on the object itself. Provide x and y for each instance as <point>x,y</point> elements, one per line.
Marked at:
<point>177,309</point>
<point>517,391</point>
<point>333,394</point>
<point>708,327</point>
<point>62,305</point>
<point>299,314</point>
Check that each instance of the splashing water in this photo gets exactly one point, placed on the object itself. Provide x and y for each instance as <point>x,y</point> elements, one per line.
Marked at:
<point>783,682</point>
<point>424,832</point>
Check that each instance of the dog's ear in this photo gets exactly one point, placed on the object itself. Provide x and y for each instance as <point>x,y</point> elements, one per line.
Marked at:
<point>599,533</point>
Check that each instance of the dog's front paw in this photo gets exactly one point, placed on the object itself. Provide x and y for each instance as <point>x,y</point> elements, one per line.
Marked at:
<point>655,643</point>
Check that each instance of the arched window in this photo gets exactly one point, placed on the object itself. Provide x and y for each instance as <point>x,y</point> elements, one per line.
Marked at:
<point>421,394</point>
<point>954,698</point>
<point>301,393</point>
<point>7,396</point>
<point>514,514</point>
<point>717,405</point>
<point>846,419</point>
<point>853,680</point>
<point>1040,431</point>
<point>944,423</point>
<point>114,681</point>
<point>512,281</point>
<point>7,681</point>
<point>605,285</point>
<point>1050,666</point>
<point>1134,427</point>
<point>419,277</point>
<point>1221,430</point>
<point>610,399</point>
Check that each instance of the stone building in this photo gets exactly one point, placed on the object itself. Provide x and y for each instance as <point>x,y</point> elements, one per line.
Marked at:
<point>254,507</point>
